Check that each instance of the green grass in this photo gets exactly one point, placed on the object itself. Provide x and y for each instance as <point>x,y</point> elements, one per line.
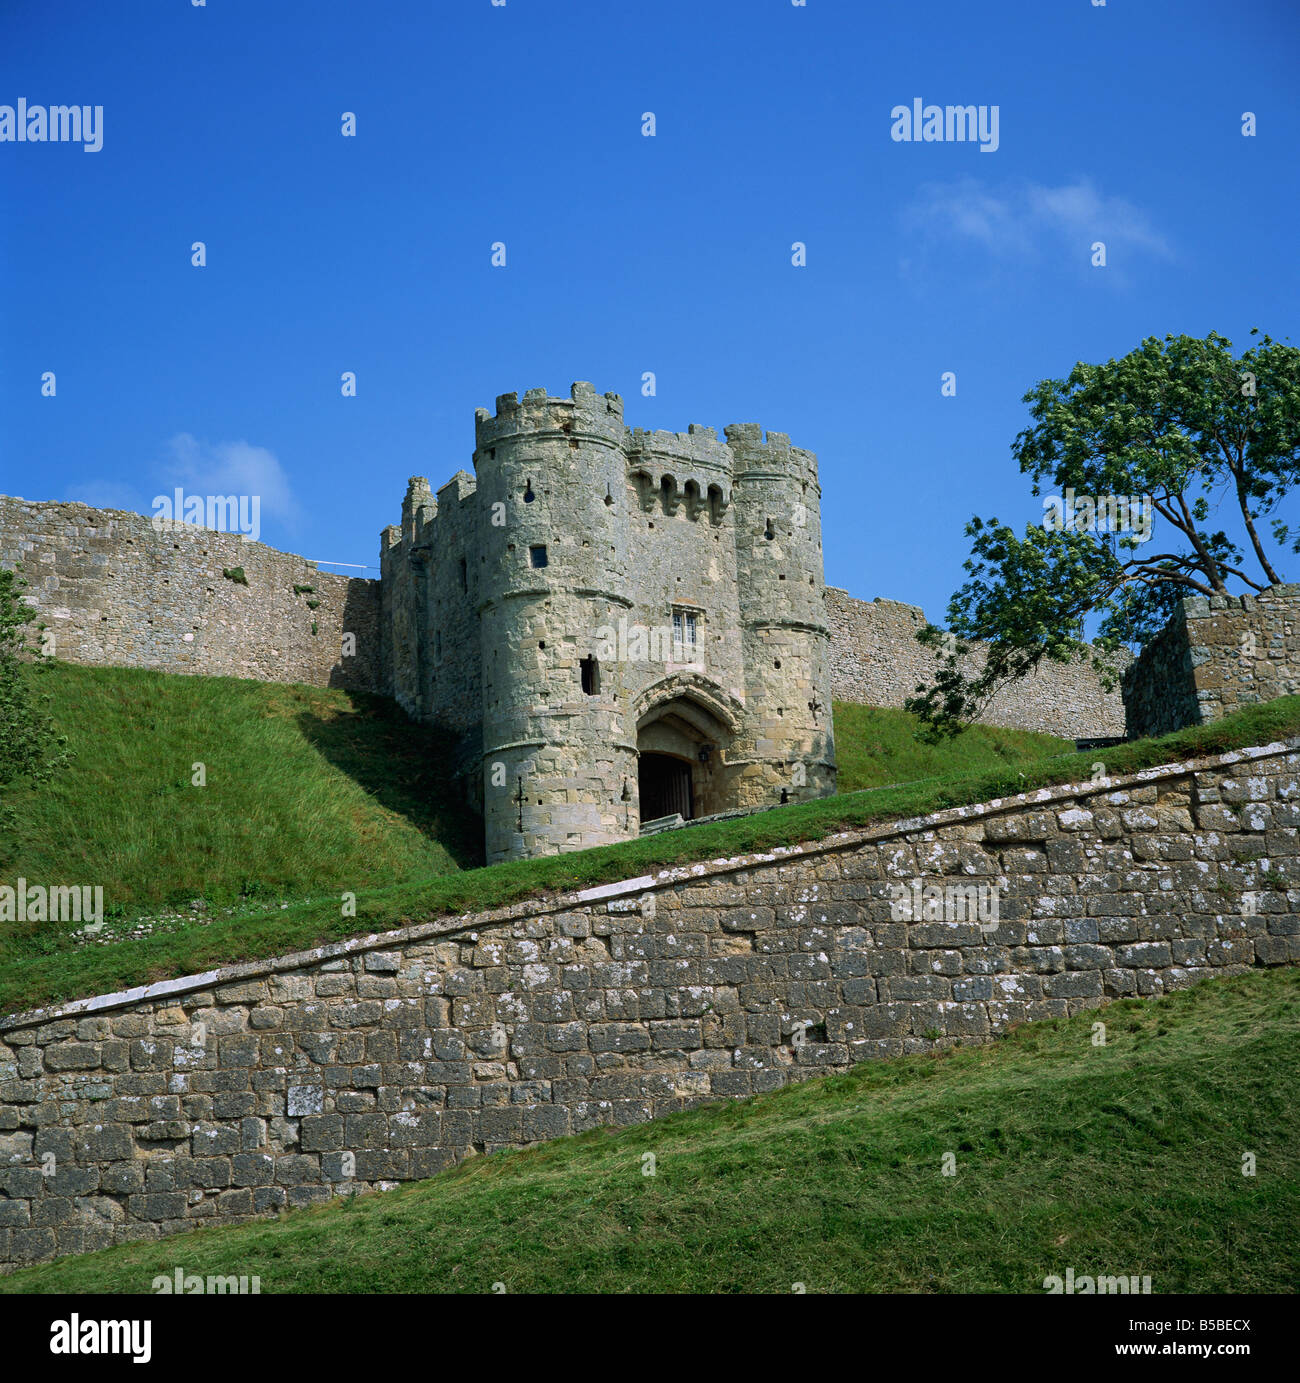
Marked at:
<point>306,788</point>
<point>1120,1159</point>
<point>875,746</point>
<point>376,822</point>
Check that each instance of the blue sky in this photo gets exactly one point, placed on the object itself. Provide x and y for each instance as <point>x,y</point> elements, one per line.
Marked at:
<point>522,123</point>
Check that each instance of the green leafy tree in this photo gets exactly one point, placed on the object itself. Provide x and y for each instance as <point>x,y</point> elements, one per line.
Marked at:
<point>1182,425</point>
<point>31,750</point>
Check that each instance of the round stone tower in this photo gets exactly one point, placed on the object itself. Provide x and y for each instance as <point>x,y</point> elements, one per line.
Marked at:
<point>559,763</point>
<point>789,737</point>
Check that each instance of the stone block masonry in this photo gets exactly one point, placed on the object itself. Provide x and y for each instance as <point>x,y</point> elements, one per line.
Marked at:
<point>596,615</point>
<point>115,592</point>
<point>1216,655</point>
<point>224,1096</point>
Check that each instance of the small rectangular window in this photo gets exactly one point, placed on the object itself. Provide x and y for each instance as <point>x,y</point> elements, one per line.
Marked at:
<point>537,555</point>
<point>590,676</point>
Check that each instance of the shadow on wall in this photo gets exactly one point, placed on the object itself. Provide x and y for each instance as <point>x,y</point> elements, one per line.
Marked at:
<point>362,615</point>
<point>408,768</point>
<point>1159,686</point>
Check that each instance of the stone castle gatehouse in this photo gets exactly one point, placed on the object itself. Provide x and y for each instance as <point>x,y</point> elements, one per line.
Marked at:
<point>619,625</point>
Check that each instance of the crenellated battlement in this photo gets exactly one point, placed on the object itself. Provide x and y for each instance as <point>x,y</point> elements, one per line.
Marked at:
<point>690,470</point>
<point>696,457</point>
<point>696,447</point>
<point>458,489</point>
<point>532,446</point>
<point>762,456</point>
<point>584,414</point>
<point>419,495</point>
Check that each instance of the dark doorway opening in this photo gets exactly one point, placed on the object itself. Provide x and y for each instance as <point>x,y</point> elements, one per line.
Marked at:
<point>665,787</point>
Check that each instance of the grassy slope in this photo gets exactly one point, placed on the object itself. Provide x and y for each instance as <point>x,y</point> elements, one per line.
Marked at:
<point>309,789</point>
<point>306,788</point>
<point>1118,1159</point>
<point>309,793</point>
<point>875,746</point>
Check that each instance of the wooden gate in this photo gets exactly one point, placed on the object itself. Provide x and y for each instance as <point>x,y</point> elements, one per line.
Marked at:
<point>665,787</point>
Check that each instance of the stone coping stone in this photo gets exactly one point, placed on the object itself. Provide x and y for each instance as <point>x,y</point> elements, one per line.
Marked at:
<point>645,883</point>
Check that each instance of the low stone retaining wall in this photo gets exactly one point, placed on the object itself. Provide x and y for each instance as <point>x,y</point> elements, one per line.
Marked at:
<point>358,1065</point>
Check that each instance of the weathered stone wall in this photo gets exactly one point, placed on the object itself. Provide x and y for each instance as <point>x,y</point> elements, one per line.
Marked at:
<point>1215,655</point>
<point>114,591</point>
<point>359,1065</point>
<point>877,661</point>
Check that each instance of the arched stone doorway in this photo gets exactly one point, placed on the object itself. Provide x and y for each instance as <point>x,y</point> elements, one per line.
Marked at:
<point>683,731</point>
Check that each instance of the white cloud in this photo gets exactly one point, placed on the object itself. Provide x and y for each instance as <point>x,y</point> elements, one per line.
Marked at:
<point>1029,218</point>
<point>226,468</point>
